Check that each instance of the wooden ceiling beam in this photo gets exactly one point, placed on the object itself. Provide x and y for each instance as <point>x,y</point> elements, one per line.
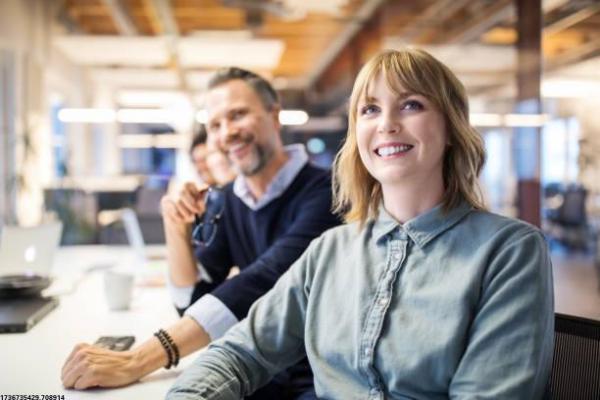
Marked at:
<point>580,53</point>
<point>121,18</point>
<point>334,85</point>
<point>423,22</point>
<point>88,10</point>
<point>197,12</point>
<point>152,14</point>
<point>98,25</point>
<point>344,38</point>
<point>572,19</point>
<point>479,23</point>
<point>165,14</point>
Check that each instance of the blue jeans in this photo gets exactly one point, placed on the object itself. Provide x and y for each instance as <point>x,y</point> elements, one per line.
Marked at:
<point>295,383</point>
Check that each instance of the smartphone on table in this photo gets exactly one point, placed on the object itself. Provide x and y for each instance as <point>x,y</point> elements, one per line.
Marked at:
<point>116,343</point>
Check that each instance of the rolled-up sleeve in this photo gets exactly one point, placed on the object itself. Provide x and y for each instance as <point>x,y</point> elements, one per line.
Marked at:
<point>212,315</point>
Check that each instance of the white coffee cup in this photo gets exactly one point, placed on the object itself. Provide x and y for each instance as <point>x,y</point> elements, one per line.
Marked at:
<point>118,288</point>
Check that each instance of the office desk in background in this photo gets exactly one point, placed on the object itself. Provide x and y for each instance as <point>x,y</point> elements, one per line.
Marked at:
<point>30,363</point>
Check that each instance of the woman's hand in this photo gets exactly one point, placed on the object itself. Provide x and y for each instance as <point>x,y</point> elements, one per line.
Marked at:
<point>88,366</point>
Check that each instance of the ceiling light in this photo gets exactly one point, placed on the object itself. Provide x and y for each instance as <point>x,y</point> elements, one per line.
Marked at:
<point>90,115</point>
<point>224,52</point>
<point>144,115</point>
<point>293,117</point>
<point>115,50</point>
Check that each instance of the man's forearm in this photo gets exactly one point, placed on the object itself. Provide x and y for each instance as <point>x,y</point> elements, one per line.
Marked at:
<point>180,255</point>
<point>188,336</point>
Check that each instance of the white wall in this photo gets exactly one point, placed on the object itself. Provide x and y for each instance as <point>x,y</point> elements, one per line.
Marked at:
<point>26,30</point>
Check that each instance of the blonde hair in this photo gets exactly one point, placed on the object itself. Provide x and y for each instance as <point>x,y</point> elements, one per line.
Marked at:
<point>357,194</point>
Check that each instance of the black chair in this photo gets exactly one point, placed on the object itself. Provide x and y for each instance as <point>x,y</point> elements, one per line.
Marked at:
<point>568,223</point>
<point>576,365</point>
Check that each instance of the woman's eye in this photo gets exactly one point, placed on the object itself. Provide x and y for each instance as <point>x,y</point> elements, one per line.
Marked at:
<point>368,109</point>
<point>412,105</point>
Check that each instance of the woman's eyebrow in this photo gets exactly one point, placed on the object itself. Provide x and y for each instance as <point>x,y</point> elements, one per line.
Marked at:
<point>400,95</point>
<point>405,95</point>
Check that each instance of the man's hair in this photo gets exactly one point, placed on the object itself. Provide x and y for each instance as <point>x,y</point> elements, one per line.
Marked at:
<point>261,86</point>
<point>357,195</point>
<point>199,138</point>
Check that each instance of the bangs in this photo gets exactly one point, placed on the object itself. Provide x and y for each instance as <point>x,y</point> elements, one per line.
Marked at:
<point>401,76</point>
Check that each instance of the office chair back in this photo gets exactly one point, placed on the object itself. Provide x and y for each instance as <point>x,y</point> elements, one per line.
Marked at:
<point>572,212</point>
<point>576,365</point>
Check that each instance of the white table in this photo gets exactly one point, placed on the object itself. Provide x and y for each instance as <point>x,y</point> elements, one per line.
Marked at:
<point>30,363</point>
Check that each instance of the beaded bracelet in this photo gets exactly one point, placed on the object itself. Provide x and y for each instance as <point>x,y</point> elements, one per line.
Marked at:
<point>173,347</point>
<point>165,344</point>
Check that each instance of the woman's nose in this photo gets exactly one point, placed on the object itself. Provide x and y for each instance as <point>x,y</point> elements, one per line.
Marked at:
<point>388,123</point>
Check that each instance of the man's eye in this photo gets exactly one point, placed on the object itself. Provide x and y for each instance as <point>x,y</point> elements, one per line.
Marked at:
<point>237,114</point>
<point>368,109</point>
<point>412,105</point>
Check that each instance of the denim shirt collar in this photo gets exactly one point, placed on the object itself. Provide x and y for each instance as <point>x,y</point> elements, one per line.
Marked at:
<point>297,159</point>
<point>423,228</point>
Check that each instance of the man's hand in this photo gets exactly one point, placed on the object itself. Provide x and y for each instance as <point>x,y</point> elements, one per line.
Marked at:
<point>88,366</point>
<point>182,208</point>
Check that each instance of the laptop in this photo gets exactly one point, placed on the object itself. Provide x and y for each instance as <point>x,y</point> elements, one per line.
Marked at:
<point>27,252</point>
<point>21,314</point>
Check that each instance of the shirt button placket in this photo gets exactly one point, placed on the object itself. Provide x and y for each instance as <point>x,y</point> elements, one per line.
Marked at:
<point>383,301</point>
<point>375,394</point>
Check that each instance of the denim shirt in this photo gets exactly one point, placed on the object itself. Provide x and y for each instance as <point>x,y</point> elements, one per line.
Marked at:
<point>456,305</point>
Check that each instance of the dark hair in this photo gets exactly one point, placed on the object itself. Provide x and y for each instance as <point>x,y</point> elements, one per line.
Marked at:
<point>199,138</point>
<point>261,86</point>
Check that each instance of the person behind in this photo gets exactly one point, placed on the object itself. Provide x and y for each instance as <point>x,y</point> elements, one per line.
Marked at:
<point>210,164</point>
<point>278,203</point>
<point>423,294</point>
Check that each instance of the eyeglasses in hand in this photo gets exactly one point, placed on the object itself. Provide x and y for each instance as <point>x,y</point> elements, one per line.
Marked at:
<point>206,225</point>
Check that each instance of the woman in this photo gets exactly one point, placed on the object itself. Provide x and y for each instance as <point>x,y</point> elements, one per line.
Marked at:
<point>423,294</point>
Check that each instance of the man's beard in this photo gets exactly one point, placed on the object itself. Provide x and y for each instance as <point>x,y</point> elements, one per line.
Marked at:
<point>260,158</point>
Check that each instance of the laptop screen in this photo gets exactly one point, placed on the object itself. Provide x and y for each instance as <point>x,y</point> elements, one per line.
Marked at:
<point>30,249</point>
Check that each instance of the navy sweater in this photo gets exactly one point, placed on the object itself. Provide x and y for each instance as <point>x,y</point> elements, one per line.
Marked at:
<point>266,242</point>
